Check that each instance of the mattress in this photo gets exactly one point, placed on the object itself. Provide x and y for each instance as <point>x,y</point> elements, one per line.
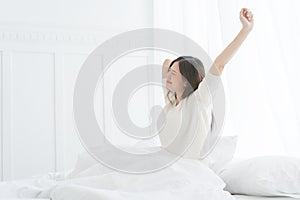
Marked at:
<point>246,197</point>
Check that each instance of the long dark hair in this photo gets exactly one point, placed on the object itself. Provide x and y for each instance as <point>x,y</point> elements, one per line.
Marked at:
<point>193,71</point>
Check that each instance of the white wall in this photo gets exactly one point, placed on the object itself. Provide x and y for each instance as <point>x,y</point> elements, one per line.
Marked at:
<point>42,46</point>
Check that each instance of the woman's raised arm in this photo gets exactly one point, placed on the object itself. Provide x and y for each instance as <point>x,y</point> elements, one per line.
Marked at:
<point>165,67</point>
<point>246,18</point>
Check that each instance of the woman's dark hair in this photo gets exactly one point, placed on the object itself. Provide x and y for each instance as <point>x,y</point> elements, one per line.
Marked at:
<point>192,69</point>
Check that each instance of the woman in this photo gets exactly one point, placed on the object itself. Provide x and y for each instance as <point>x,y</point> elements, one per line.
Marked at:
<point>184,78</point>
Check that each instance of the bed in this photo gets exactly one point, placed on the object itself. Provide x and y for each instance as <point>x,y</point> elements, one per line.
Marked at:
<point>238,197</point>
<point>218,176</point>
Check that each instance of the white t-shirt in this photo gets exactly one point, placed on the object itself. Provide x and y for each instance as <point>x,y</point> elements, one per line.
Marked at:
<point>184,127</point>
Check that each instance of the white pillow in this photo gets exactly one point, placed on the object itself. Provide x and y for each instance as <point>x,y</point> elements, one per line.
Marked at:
<point>264,176</point>
<point>222,153</point>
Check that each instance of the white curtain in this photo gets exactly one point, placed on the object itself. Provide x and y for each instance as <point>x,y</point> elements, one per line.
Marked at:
<point>262,81</point>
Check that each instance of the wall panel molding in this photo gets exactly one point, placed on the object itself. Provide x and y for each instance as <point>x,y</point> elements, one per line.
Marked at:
<point>6,115</point>
<point>32,116</point>
<point>48,37</point>
<point>1,117</point>
<point>57,35</point>
<point>68,49</point>
<point>58,112</point>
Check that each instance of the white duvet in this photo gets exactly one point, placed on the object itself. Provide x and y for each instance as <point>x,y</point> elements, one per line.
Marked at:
<point>185,179</point>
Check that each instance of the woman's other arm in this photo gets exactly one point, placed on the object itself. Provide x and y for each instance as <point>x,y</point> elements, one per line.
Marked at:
<point>165,67</point>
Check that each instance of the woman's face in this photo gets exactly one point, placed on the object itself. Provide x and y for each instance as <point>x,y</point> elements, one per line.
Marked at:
<point>175,81</point>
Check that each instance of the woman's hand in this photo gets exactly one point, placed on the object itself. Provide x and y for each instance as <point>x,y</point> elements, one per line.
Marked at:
<point>246,18</point>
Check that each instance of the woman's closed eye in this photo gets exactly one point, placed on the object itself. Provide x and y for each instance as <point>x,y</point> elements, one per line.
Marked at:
<point>172,71</point>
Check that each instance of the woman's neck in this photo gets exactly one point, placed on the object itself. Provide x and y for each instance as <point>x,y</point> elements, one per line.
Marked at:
<point>178,99</point>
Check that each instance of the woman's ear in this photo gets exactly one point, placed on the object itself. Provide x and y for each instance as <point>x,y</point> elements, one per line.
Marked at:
<point>184,83</point>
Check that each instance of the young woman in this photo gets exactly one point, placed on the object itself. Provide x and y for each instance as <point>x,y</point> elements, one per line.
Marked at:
<point>184,78</point>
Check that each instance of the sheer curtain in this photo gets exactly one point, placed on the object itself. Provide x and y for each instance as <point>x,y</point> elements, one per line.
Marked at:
<point>262,80</point>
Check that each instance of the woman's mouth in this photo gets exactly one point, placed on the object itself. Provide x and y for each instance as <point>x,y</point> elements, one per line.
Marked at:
<point>169,82</point>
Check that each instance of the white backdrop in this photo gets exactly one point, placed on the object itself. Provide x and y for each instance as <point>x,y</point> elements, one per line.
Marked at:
<point>262,80</point>
<point>42,46</point>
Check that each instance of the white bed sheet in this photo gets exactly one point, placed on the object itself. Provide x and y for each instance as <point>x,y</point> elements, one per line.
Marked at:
<point>246,197</point>
<point>185,179</point>
<point>21,199</point>
<point>238,197</point>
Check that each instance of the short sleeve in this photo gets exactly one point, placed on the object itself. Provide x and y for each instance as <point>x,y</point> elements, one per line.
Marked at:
<point>207,88</point>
